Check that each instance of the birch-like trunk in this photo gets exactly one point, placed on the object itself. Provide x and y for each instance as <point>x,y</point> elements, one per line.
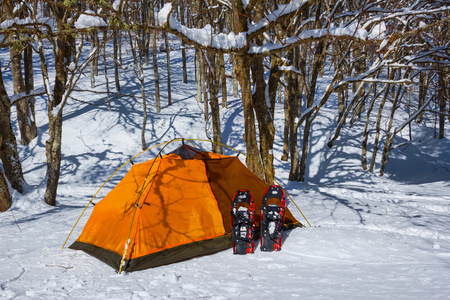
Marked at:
<point>93,62</point>
<point>378,128</point>
<point>389,134</point>
<point>183,43</point>
<point>156,72</point>
<point>366,129</point>
<point>155,58</point>
<point>116,41</point>
<point>169,90</point>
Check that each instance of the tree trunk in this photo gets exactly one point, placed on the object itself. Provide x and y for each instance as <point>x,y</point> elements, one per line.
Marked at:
<point>378,129</point>
<point>317,66</point>
<point>105,70</point>
<point>214,102</point>
<point>183,44</point>
<point>93,60</point>
<point>291,108</point>
<point>198,75</point>
<point>264,115</point>
<point>422,93</point>
<point>360,66</point>
<point>442,103</point>
<point>264,98</point>
<point>5,196</point>
<point>202,67</point>
<point>146,36</point>
<point>390,135</point>
<point>234,77</point>
<point>55,105</point>
<point>366,130</point>
<point>155,58</point>
<point>144,120</point>
<point>274,77</point>
<point>223,79</point>
<point>156,73</point>
<point>25,106</point>
<point>62,61</point>
<point>169,91</point>
<point>139,72</point>
<point>30,127</point>
<point>116,38</point>
<point>25,118</point>
<point>340,75</point>
<point>97,53</point>
<point>287,121</point>
<point>8,146</point>
<point>243,75</point>
<point>53,155</point>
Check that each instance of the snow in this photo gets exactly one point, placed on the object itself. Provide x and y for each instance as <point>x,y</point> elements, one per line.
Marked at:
<point>163,14</point>
<point>378,31</point>
<point>16,97</point>
<point>283,9</point>
<point>351,30</point>
<point>87,20</point>
<point>372,237</point>
<point>206,36</point>
<point>26,21</point>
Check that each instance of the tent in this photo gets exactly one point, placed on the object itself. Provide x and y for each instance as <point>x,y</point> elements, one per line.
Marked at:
<point>168,209</point>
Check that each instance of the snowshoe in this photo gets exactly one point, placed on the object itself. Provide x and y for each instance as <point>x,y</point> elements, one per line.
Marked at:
<point>243,222</point>
<point>272,218</point>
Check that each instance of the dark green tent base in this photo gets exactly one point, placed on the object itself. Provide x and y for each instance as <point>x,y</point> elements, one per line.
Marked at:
<point>164,257</point>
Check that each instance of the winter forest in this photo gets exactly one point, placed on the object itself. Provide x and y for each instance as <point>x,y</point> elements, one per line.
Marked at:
<point>376,72</point>
<point>386,57</point>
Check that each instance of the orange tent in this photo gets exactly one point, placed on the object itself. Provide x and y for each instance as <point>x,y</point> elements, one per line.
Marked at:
<point>168,209</point>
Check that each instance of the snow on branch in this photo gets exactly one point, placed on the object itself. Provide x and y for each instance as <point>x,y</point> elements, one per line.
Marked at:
<point>201,36</point>
<point>22,22</point>
<point>89,20</point>
<point>283,10</point>
<point>313,34</point>
<point>36,92</point>
<point>206,37</point>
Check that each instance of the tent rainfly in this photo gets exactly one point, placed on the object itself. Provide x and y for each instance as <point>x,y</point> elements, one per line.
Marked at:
<point>168,209</point>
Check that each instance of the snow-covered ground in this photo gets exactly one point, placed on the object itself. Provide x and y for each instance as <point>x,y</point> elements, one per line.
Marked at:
<point>372,237</point>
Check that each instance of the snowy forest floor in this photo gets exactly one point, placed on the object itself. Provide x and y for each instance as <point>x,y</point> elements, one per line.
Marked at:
<point>372,237</point>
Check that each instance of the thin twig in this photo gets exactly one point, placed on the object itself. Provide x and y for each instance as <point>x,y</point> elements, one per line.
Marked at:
<point>81,138</point>
<point>15,219</point>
